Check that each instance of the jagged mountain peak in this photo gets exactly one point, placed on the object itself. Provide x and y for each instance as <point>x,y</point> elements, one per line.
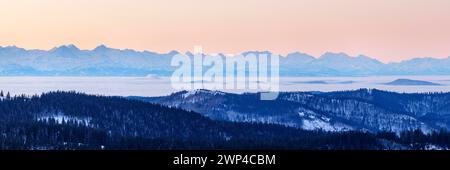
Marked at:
<point>173,52</point>
<point>101,47</point>
<point>65,48</point>
<point>257,53</point>
<point>12,48</point>
<point>334,54</point>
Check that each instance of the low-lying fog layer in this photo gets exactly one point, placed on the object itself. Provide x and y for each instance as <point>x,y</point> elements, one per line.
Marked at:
<point>157,86</point>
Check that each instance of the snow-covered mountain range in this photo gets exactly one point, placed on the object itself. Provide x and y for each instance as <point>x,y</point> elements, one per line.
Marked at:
<point>68,60</point>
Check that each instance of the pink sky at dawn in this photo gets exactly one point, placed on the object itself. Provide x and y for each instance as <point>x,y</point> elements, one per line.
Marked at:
<point>389,30</point>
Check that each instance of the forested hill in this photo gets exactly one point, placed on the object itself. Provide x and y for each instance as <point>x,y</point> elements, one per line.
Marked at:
<point>365,109</point>
<point>70,120</point>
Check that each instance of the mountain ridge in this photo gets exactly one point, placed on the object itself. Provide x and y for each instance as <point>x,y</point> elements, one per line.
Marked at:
<point>76,121</point>
<point>364,110</point>
<point>70,60</point>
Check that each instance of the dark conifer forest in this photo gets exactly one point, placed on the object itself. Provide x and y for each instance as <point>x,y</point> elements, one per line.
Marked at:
<point>73,121</point>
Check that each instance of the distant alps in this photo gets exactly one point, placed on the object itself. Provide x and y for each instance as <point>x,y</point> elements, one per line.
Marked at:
<point>69,60</point>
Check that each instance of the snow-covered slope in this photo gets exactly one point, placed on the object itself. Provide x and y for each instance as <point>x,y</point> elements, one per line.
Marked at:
<point>366,110</point>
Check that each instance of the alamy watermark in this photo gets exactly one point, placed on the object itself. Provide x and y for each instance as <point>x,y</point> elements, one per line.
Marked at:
<point>250,71</point>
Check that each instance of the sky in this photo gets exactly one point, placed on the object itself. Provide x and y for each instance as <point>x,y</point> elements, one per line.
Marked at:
<point>388,30</point>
